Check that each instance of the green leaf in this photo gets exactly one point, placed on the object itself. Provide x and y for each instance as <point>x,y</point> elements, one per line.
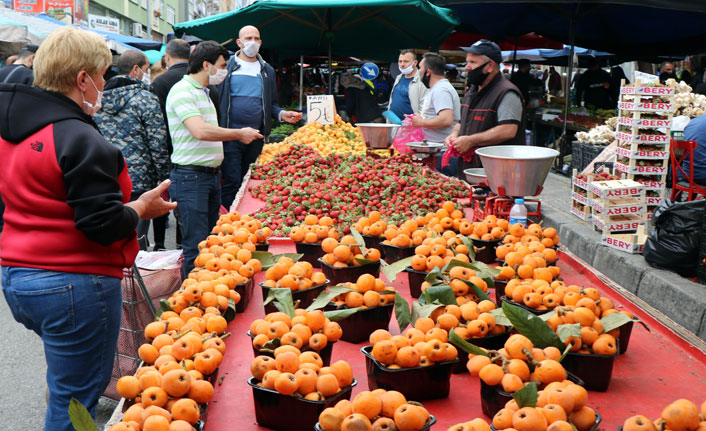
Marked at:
<point>420,310</point>
<point>283,300</point>
<point>395,268</point>
<point>468,242</point>
<point>433,274</point>
<point>485,271</point>
<point>163,306</point>
<point>272,344</point>
<point>568,330</point>
<point>402,312</point>
<point>294,256</point>
<point>229,313</point>
<point>80,417</point>
<point>454,263</point>
<point>359,239</point>
<point>532,327</point>
<point>265,257</point>
<point>325,297</point>
<point>500,317</point>
<point>565,352</point>
<point>527,396</point>
<point>363,261</point>
<point>336,315</point>
<point>464,345</point>
<point>442,294</point>
<point>477,290</point>
<point>615,320</point>
<point>547,316</point>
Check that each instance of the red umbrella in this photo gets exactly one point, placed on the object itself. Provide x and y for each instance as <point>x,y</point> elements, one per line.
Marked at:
<point>528,41</point>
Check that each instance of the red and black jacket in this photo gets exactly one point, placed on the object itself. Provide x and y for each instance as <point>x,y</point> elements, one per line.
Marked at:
<point>64,188</point>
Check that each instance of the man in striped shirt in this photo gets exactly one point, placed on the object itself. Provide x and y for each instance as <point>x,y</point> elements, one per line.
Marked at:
<point>198,146</point>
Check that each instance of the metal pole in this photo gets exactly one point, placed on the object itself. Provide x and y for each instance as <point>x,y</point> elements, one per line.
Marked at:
<point>330,67</point>
<point>563,141</point>
<point>301,81</point>
<point>149,19</point>
<point>514,57</point>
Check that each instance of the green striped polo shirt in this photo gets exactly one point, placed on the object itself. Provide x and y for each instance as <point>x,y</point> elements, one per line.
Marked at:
<point>187,99</point>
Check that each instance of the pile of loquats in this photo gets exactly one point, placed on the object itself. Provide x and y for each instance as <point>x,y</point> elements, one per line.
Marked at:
<point>306,330</point>
<point>379,410</point>
<point>314,230</point>
<point>680,415</point>
<point>285,273</point>
<point>412,349</point>
<point>366,292</point>
<point>346,253</point>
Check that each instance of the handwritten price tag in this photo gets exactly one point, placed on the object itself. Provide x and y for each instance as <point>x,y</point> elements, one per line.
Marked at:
<point>321,109</point>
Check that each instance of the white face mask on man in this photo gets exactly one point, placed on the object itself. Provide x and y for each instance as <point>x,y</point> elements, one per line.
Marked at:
<point>146,77</point>
<point>92,108</point>
<point>218,77</point>
<point>407,70</point>
<point>251,48</point>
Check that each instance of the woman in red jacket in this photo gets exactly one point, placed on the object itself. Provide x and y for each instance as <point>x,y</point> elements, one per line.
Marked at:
<point>69,228</point>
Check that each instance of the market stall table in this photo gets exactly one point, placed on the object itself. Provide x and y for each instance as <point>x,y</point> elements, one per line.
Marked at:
<point>659,367</point>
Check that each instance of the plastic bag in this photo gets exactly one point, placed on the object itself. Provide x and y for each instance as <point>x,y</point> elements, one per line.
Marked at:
<point>675,240</point>
<point>407,133</point>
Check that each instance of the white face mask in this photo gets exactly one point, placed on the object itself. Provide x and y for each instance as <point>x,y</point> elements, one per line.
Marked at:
<point>251,48</point>
<point>146,77</point>
<point>218,77</point>
<point>92,108</point>
<point>407,70</point>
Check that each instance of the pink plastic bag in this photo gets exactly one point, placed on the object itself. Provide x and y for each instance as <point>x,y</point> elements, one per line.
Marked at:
<point>407,133</point>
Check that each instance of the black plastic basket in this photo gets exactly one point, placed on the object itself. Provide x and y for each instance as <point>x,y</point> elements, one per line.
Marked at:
<point>358,327</point>
<point>348,273</point>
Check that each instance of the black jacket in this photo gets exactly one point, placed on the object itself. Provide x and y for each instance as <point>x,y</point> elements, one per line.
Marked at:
<point>269,95</point>
<point>164,82</point>
<point>17,74</point>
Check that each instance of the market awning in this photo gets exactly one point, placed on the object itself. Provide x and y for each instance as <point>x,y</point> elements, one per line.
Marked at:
<point>120,39</point>
<point>627,27</point>
<point>21,28</point>
<point>372,29</point>
<point>523,42</point>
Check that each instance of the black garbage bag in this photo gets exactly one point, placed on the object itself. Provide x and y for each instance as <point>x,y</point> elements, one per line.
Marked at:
<point>674,242</point>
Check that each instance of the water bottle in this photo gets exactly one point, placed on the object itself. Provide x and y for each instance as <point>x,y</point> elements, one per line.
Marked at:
<point>518,213</point>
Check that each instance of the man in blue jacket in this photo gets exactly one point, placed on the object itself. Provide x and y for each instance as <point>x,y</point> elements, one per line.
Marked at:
<point>248,98</point>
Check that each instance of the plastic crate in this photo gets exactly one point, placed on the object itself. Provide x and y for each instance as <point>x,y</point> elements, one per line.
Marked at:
<point>577,156</point>
<point>137,314</point>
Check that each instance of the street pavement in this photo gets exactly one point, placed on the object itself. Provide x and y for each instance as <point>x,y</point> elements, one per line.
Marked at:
<point>23,370</point>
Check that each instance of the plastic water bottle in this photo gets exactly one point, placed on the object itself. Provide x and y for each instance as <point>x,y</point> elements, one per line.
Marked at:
<point>518,213</point>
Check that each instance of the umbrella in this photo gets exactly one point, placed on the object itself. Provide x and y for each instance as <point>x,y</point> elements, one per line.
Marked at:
<point>521,43</point>
<point>373,29</point>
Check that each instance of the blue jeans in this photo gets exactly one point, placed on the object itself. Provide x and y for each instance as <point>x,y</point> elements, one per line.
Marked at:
<point>237,158</point>
<point>199,198</point>
<point>78,318</point>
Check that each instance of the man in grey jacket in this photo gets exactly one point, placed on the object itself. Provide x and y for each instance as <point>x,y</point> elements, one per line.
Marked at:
<point>408,90</point>
<point>132,120</point>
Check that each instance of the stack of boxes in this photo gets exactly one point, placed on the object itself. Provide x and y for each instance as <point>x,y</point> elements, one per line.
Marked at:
<point>619,212</point>
<point>643,134</point>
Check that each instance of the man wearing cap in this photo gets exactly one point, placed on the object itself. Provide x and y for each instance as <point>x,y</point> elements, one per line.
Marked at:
<point>20,72</point>
<point>492,109</point>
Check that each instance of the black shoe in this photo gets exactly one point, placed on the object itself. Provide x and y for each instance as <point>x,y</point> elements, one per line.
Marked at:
<point>159,247</point>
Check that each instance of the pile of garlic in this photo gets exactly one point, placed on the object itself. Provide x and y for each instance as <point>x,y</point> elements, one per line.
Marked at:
<point>687,103</point>
<point>599,135</point>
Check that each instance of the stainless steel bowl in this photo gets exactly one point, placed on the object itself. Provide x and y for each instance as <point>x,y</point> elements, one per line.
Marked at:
<point>425,147</point>
<point>378,135</point>
<point>516,170</point>
<point>475,176</point>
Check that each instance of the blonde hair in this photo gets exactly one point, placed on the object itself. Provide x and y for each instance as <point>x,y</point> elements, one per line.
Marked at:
<point>64,54</point>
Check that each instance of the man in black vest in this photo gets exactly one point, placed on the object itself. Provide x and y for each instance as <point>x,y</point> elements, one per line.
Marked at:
<point>492,111</point>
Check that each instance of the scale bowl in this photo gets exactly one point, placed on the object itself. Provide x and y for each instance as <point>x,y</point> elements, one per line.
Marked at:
<point>475,176</point>
<point>516,170</point>
<point>425,147</point>
<point>378,135</point>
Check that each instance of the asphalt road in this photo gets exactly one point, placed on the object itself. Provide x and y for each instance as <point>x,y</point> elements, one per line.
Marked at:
<point>23,370</point>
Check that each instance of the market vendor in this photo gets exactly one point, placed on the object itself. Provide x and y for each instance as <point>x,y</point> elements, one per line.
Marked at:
<point>69,226</point>
<point>248,98</point>
<point>492,111</point>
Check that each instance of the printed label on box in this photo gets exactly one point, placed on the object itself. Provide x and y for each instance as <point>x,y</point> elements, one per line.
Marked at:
<point>650,139</point>
<point>580,183</point>
<point>646,123</point>
<point>642,154</point>
<point>647,107</point>
<point>647,91</point>
<point>579,198</point>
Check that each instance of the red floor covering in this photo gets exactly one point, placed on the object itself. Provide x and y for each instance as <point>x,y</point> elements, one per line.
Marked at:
<point>658,368</point>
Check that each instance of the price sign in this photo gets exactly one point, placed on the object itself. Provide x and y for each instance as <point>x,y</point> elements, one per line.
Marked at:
<point>321,109</point>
